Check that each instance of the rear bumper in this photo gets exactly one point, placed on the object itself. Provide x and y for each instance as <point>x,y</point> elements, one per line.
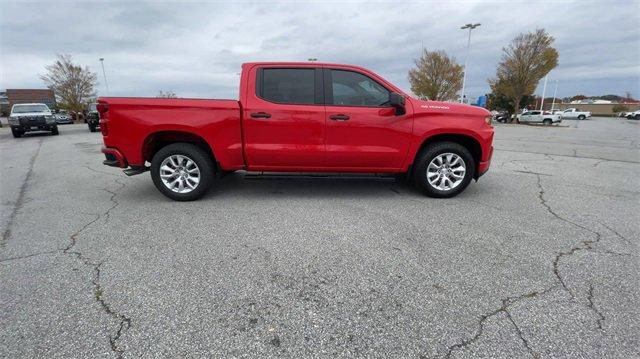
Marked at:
<point>114,158</point>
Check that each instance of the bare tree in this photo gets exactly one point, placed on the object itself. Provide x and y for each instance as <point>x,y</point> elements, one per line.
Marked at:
<point>73,85</point>
<point>524,62</point>
<point>437,76</point>
<point>166,94</point>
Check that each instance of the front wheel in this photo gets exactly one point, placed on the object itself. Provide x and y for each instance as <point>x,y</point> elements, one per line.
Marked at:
<point>581,117</point>
<point>54,131</point>
<point>547,122</point>
<point>443,169</point>
<point>182,171</point>
<point>16,133</point>
<point>92,128</point>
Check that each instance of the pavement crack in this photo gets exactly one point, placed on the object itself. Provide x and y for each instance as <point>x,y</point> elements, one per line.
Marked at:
<point>506,303</point>
<point>124,322</point>
<point>585,245</point>
<point>593,307</point>
<point>6,234</point>
<point>524,340</point>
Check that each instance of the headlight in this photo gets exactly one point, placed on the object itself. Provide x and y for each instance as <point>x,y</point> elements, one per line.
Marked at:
<point>14,121</point>
<point>49,119</point>
<point>487,120</point>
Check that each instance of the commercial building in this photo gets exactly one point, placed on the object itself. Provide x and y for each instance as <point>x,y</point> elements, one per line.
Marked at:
<point>45,96</point>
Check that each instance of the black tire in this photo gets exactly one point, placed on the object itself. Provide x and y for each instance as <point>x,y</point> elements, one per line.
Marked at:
<point>428,154</point>
<point>92,128</point>
<point>547,122</point>
<point>54,131</point>
<point>581,117</point>
<point>201,158</point>
<point>16,133</point>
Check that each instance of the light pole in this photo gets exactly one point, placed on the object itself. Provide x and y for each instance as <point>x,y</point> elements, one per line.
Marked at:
<point>464,77</point>
<point>553,103</point>
<point>544,92</point>
<point>104,74</point>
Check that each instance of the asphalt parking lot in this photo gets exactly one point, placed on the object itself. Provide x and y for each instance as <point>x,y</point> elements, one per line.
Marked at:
<point>537,259</point>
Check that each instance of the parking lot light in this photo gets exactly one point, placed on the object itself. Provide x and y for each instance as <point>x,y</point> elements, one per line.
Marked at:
<point>464,76</point>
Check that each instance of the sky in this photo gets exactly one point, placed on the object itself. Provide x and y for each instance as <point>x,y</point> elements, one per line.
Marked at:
<point>195,48</point>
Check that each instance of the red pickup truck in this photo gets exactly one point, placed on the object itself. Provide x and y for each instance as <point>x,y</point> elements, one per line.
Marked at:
<point>298,117</point>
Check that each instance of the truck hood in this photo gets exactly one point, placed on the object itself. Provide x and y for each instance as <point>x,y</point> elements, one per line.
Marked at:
<point>450,108</point>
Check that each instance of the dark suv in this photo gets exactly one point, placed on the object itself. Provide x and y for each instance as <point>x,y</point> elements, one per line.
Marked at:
<point>93,118</point>
<point>26,117</point>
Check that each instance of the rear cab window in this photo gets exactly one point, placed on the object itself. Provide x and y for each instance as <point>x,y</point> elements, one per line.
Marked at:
<point>295,86</point>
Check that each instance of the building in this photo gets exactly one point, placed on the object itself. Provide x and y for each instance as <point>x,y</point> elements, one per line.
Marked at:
<point>45,96</point>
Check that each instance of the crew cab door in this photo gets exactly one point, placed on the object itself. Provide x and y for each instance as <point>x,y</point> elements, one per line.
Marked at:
<point>284,119</point>
<point>363,131</point>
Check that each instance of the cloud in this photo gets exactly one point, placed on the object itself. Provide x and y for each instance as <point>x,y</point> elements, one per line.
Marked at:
<point>195,49</point>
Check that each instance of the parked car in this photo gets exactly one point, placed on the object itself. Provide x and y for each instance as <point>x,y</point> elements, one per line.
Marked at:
<point>298,117</point>
<point>502,116</point>
<point>27,117</point>
<point>574,113</point>
<point>544,118</point>
<point>93,118</point>
<point>62,118</point>
<point>634,115</point>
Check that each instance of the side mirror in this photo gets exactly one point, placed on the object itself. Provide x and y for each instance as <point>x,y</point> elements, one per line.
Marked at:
<point>396,101</point>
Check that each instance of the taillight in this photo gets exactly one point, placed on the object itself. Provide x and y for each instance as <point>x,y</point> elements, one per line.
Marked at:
<point>103,111</point>
<point>102,108</point>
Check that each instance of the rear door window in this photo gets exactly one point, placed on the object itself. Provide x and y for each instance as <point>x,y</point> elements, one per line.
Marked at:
<point>287,86</point>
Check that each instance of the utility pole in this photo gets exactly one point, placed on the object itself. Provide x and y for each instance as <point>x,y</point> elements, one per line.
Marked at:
<point>464,77</point>
<point>104,74</point>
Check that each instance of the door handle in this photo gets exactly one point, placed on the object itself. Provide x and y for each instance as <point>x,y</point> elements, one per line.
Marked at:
<point>339,117</point>
<point>260,115</point>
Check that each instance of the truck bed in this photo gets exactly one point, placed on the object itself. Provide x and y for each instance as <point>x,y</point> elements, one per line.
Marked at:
<point>134,123</point>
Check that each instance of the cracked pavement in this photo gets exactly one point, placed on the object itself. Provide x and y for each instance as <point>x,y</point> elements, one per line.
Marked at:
<point>538,259</point>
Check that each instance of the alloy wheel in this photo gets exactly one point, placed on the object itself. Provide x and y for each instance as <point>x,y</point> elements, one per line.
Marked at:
<point>180,173</point>
<point>446,171</point>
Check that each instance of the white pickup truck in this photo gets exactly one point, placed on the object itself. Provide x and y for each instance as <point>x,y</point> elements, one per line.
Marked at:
<point>536,116</point>
<point>574,113</point>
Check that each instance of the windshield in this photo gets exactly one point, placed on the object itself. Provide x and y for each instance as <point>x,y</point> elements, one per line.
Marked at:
<point>29,108</point>
<point>92,107</point>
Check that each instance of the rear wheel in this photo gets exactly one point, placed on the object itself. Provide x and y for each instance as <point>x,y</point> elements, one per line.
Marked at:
<point>92,128</point>
<point>547,122</point>
<point>443,169</point>
<point>182,171</point>
<point>16,133</point>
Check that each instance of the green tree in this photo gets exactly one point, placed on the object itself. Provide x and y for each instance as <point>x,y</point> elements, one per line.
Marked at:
<point>437,76</point>
<point>73,85</point>
<point>528,58</point>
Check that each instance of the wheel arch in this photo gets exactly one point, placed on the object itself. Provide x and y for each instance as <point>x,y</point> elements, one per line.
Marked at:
<point>159,139</point>
<point>467,141</point>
